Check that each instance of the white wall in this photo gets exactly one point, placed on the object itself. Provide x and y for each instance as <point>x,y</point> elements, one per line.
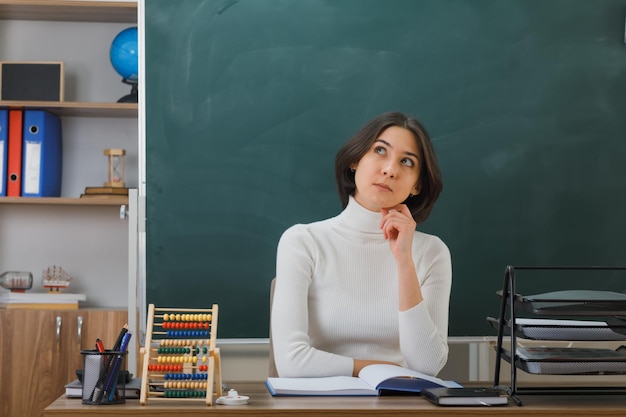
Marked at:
<point>89,242</point>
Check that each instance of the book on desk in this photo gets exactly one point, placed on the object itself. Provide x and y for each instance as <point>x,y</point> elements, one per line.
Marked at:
<point>132,388</point>
<point>465,396</point>
<point>373,380</point>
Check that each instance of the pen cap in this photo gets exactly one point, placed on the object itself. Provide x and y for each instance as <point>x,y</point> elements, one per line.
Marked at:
<point>104,377</point>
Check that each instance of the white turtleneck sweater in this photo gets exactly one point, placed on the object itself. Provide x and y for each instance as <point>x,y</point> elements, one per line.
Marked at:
<point>336,299</point>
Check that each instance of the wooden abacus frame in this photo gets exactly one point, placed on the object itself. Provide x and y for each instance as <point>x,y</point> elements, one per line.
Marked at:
<point>188,324</point>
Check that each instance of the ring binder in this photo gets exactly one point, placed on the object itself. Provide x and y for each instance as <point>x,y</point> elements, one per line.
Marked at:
<point>4,128</point>
<point>42,160</point>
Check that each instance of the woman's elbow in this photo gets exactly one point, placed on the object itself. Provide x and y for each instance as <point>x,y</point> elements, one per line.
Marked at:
<point>431,364</point>
<point>440,361</point>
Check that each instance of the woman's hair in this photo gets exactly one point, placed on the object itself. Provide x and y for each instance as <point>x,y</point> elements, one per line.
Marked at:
<point>430,183</point>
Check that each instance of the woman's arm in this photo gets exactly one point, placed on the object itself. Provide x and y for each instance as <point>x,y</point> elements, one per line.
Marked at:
<point>424,328</point>
<point>399,229</point>
<point>293,353</point>
<point>423,300</point>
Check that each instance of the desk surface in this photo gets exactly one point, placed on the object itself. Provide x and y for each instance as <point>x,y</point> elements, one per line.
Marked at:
<point>262,403</point>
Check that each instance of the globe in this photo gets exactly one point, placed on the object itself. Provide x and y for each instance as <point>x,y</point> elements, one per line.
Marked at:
<point>124,54</point>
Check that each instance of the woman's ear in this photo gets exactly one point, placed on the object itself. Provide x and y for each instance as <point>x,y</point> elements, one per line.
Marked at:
<point>416,190</point>
<point>353,166</point>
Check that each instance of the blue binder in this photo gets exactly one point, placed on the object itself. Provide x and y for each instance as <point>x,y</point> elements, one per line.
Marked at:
<point>42,154</point>
<point>4,128</point>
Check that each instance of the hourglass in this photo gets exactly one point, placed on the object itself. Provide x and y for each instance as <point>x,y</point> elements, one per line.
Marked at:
<point>116,167</point>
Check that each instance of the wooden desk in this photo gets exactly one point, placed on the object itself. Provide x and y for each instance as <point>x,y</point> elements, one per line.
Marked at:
<point>262,404</point>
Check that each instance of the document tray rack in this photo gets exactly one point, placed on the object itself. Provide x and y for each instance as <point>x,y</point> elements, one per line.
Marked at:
<point>604,307</point>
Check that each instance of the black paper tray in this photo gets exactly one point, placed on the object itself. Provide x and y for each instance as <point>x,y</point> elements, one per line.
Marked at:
<point>573,303</point>
<point>571,366</point>
<point>574,330</point>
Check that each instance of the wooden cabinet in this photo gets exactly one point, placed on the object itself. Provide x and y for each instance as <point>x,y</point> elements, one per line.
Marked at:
<point>40,352</point>
<point>32,371</point>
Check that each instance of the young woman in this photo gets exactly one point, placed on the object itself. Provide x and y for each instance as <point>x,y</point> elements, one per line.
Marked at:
<point>365,287</point>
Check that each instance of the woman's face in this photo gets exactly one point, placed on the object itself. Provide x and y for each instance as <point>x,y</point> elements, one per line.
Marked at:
<point>389,170</point>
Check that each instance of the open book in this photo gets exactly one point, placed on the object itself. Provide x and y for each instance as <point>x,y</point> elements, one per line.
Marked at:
<point>378,379</point>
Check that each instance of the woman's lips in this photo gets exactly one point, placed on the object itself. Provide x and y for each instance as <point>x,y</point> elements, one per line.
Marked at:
<point>383,186</point>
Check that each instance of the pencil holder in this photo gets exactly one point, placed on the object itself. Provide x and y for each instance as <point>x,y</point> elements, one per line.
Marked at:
<point>103,377</point>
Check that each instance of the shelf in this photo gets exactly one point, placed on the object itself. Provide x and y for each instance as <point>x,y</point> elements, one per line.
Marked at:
<point>66,201</point>
<point>77,108</point>
<point>70,11</point>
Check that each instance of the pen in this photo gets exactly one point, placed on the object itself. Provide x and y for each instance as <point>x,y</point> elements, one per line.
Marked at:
<point>99,345</point>
<point>116,347</point>
<point>118,342</point>
<point>100,348</point>
<point>109,388</point>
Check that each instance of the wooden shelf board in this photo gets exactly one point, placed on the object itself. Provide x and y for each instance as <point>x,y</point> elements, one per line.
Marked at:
<point>70,11</point>
<point>77,108</point>
<point>67,201</point>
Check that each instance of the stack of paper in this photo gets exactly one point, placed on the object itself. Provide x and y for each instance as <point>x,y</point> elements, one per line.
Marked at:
<point>34,300</point>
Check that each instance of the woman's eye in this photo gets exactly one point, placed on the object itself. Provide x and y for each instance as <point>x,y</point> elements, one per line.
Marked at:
<point>380,150</point>
<point>408,162</point>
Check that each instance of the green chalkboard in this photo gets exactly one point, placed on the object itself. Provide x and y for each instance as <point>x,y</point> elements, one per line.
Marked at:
<point>247,102</point>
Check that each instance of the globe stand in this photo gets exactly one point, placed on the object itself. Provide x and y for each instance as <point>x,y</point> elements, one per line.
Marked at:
<point>133,97</point>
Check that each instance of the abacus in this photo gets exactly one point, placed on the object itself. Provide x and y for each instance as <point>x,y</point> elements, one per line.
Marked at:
<point>180,360</point>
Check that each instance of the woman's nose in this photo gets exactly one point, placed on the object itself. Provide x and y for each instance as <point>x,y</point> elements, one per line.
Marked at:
<point>389,170</point>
